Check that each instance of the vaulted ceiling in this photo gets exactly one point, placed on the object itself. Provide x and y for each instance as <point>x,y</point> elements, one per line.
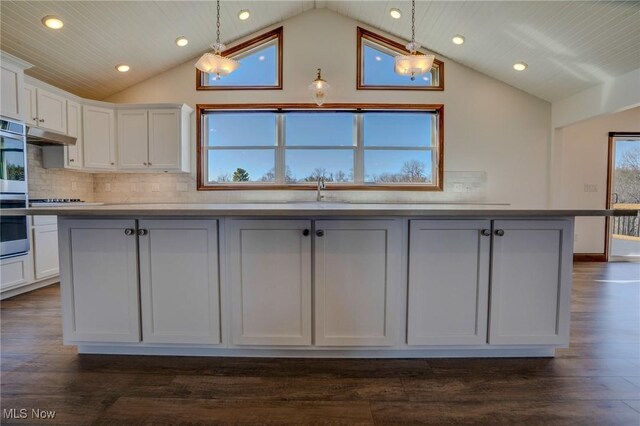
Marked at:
<point>568,45</point>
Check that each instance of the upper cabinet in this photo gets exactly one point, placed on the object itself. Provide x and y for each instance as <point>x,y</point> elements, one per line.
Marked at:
<point>154,139</point>
<point>45,109</point>
<point>12,86</point>
<point>99,137</point>
<point>74,128</point>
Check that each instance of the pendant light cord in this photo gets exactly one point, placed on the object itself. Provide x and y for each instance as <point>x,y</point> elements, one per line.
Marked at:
<point>413,21</point>
<point>218,23</point>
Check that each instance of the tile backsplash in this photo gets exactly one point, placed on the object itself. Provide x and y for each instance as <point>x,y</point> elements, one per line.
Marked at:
<point>56,183</point>
<point>468,186</point>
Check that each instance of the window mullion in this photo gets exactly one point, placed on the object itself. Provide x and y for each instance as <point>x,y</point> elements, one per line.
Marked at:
<point>280,149</point>
<point>358,167</point>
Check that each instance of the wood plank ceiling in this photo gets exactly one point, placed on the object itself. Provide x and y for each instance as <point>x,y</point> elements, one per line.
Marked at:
<point>568,45</point>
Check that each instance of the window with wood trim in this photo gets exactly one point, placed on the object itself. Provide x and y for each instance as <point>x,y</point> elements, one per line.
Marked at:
<point>291,146</point>
<point>260,66</point>
<point>375,58</point>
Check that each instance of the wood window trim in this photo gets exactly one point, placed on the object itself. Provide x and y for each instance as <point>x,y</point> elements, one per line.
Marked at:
<point>202,108</point>
<point>276,34</point>
<point>393,45</point>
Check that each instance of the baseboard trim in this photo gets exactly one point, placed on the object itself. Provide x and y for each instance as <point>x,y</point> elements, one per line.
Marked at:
<point>589,257</point>
<point>29,287</point>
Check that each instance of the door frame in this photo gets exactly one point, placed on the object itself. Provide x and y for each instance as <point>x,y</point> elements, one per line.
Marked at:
<point>609,204</point>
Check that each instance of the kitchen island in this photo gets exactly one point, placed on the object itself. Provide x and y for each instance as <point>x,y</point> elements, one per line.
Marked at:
<point>316,279</point>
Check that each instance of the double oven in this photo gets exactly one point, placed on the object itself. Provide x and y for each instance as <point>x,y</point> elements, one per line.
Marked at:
<point>14,230</point>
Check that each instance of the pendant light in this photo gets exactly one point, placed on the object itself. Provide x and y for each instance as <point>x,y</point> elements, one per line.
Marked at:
<point>319,89</point>
<point>215,63</point>
<point>414,63</point>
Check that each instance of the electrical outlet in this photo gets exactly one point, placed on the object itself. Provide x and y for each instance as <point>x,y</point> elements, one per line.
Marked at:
<point>458,187</point>
<point>182,187</point>
<point>575,238</point>
<point>155,187</point>
<point>74,186</point>
<point>590,187</point>
<point>134,187</point>
<point>107,187</point>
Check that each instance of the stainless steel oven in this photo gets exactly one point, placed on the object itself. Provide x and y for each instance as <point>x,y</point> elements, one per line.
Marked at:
<point>13,158</point>
<point>14,230</point>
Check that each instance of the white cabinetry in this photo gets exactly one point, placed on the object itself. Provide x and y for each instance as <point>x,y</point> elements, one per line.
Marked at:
<point>99,137</point>
<point>357,277</point>
<point>45,246</point>
<point>179,281</point>
<point>133,137</point>
<point>99,281</point>
<point>74,128</point>
<point>16,272</point>
<point>531,282</point>
<point>12,87</point>
<point>448,282</point>
<point>46,109</point>
<point>269,272</point>
<point>154,139</point>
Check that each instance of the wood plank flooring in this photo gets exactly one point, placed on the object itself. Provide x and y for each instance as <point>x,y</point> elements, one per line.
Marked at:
<point>594,382</point>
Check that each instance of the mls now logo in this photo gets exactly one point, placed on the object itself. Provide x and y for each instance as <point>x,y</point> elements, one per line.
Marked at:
<point>23,413</point>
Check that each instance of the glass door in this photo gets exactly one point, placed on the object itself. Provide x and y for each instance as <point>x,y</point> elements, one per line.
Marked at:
<point>624,186</point>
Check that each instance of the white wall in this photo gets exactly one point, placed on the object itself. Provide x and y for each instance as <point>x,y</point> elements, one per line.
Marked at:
<point>580,158</point>
<point>618,94</point>
<point>489,126</point>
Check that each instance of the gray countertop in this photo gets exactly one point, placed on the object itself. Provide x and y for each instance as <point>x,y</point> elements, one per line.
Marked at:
<point>302,209</point>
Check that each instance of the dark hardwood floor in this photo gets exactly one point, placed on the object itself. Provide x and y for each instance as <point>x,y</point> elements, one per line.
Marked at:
<point>596,381</point>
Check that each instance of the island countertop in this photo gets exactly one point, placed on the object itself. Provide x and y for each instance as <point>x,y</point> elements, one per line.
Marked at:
<point>303,209</point>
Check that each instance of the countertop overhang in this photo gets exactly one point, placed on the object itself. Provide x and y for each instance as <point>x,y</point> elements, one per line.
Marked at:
<point>302,209</point>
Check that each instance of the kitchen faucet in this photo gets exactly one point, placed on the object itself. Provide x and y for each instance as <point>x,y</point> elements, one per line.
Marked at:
<point>321,186</point>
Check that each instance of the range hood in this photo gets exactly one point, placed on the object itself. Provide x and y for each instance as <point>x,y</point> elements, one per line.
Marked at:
<point>37,136</point>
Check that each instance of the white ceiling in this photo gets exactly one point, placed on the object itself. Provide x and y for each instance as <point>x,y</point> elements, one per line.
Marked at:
<point>568,45</point>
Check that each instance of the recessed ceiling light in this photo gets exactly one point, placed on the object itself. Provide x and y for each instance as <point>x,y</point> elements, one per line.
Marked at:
<point>395,13</point>
<point>244,14</point>
<point>520,66</point>
<point>378,58</point>
<point>262,58</point>
<point>458,39</point>
<point>182,41</point>
<point>123,67</point>
<point>52,22</point>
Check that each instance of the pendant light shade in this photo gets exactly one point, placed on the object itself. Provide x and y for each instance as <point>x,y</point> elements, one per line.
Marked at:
<point>319,89</point>
<point>215,63</point>
<point>414,63</point>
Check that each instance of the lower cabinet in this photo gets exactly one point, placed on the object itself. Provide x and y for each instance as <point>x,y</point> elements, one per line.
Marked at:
<point>531,282</point>
<point>269,276</point>
<point>178,276</point>
<point>179,281</point>
<point>45,246</point>
<point>448,282</point>
<point>99,280</point>
<point>501,282</point>
<point>357,282</point>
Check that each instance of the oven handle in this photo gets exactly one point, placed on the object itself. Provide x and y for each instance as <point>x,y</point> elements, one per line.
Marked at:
<point>12,197</point>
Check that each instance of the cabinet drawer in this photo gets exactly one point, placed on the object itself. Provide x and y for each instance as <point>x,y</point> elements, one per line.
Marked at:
<point>45,220</point>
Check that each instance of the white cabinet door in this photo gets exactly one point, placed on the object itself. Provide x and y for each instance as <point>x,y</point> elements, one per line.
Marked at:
<point>179,281</point>
<point>357,281</point>
<point>16,271</point>
<point>45,251</point>
<point>99,280</point>
<point>11,87</point>
<point>74,128</point>
<point>133,139</point>
<point>448,282</point>
<point>30,103</point>
<point>99,137</point>
<point>164,139</point>
<point>269,275</point>
<point>531,282</point>
<point>52,111</point>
